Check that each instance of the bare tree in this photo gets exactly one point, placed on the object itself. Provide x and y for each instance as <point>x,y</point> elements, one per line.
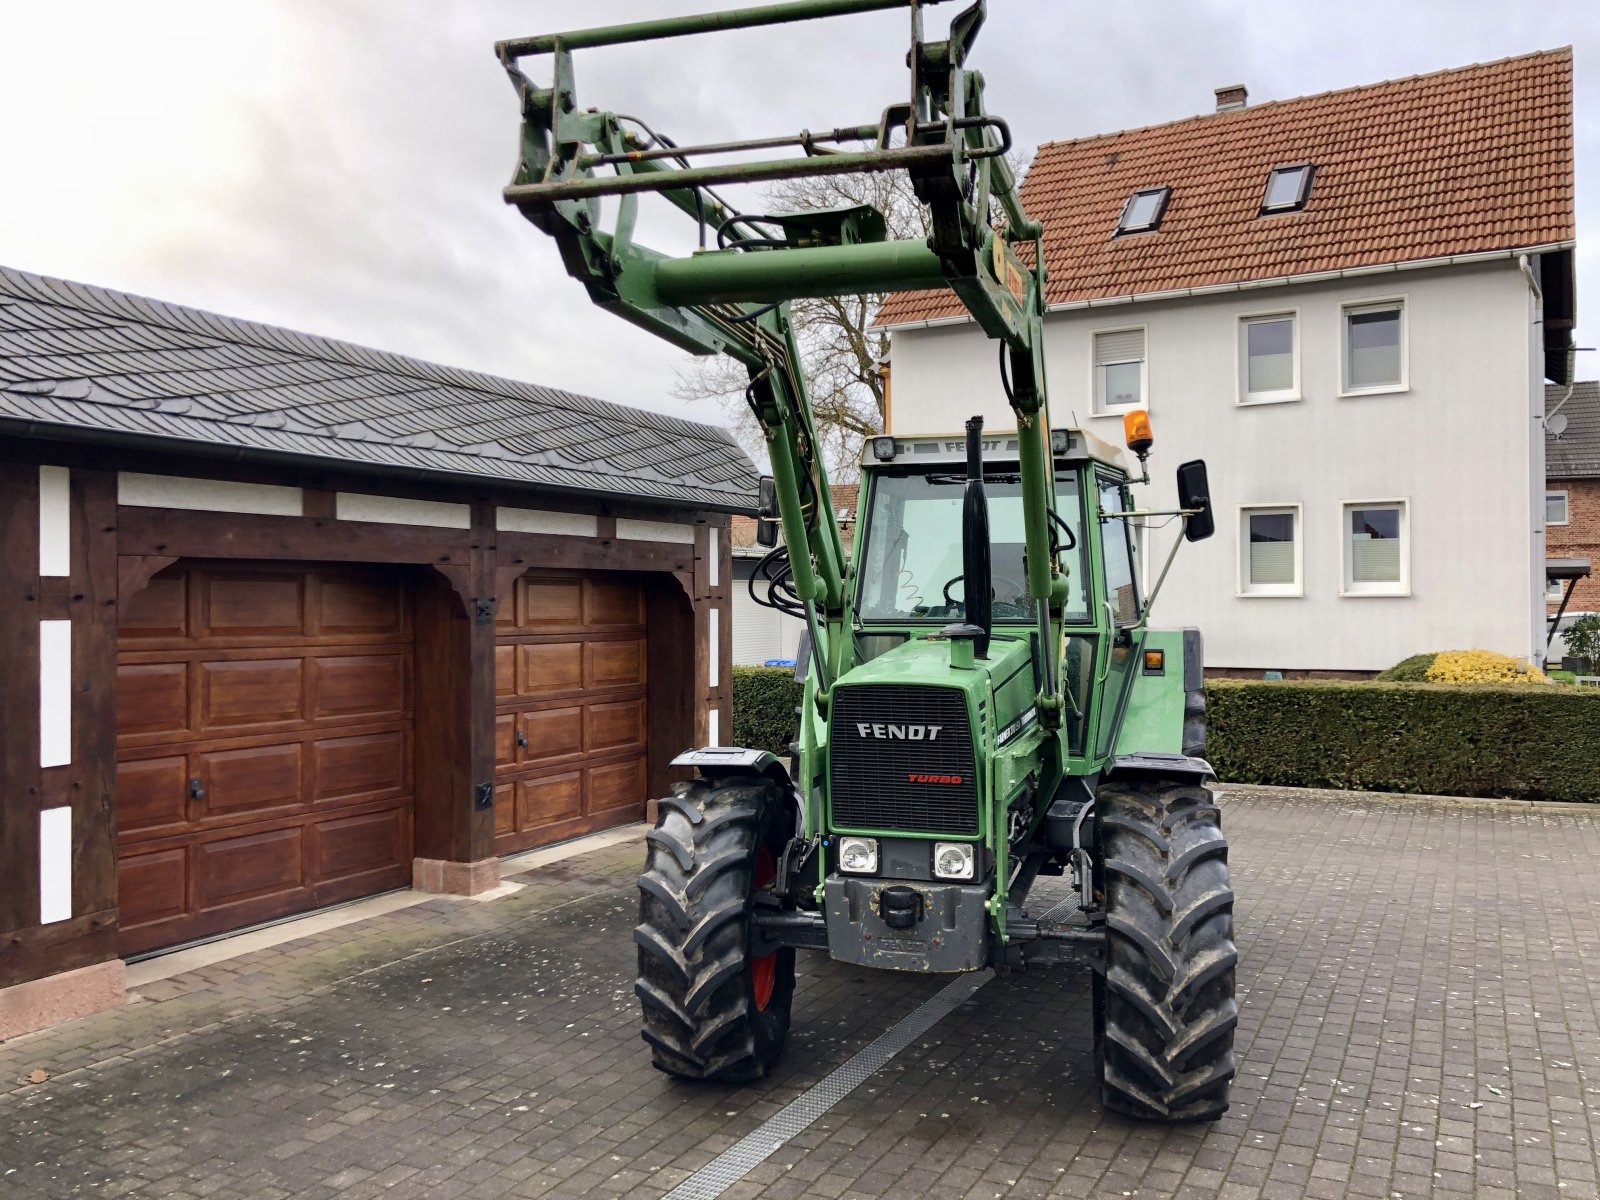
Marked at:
<point>841,354</point>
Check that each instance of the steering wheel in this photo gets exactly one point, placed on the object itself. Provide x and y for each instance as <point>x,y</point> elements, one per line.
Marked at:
<point>1020,589</point>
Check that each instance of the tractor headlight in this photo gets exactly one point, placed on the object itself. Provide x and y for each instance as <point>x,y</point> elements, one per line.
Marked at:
<point>953,860</point>
<point>858,855</point>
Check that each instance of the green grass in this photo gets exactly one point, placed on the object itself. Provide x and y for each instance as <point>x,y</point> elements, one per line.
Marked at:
<point>1560,676</point>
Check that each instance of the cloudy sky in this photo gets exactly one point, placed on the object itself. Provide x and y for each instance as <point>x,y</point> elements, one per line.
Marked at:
<point>336,165</point>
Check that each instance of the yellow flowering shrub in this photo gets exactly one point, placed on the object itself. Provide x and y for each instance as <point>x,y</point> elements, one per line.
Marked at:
<point>1481,666</point>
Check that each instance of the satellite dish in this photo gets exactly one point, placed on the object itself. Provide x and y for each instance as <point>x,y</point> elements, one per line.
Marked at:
<point>1556,424</point>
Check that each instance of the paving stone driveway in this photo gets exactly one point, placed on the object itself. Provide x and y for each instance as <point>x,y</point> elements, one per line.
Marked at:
<point>1420,1015</point>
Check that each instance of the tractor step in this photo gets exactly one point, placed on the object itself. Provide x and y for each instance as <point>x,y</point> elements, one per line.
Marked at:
<point>1030,943</point>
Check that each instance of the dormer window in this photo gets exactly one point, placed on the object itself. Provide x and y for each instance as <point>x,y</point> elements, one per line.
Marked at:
<point>1143,210</point>
<point>1288,188</point>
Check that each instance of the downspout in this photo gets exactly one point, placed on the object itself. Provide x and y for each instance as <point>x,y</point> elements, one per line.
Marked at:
<point>1539,433</point>
<point>1533,282</point>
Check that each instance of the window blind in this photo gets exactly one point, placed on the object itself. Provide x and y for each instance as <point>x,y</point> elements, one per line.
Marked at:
<point>1374,560</point>
<point>1372,348</point>
<point>1271,562</point>
<point>1271,356</point>
<point>1124,346</point>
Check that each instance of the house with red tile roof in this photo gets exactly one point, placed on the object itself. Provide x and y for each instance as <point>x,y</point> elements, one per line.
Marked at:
<point>1347,303</point>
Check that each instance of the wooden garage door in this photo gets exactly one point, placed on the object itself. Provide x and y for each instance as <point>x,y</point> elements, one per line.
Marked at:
<point>264,746</point>
<point>570,708</point>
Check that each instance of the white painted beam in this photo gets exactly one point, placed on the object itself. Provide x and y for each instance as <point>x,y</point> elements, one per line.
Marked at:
<point>538,520</point>
<point>714,621</point>
<point>55,693</point>
<point>632,530</point>
<point>137,490</point>
<point>55,521</point>
<point>55,865</point>
<point>398,510</point>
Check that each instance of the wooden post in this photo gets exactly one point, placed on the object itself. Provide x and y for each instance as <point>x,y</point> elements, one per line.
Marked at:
<point>455,720</point>
<point>58,938</point>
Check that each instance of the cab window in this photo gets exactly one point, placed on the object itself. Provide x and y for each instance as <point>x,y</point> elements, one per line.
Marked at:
<point>1119,552</point>
<point>911,554</point>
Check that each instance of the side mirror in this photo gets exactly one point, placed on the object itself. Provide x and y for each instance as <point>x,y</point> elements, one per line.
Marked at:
<point>1194,492</point>
<point>767,513</point>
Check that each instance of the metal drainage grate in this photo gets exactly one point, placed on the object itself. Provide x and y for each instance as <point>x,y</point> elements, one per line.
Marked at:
<point>734,1163</point>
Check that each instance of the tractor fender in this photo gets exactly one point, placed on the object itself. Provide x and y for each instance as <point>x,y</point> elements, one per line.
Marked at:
<point>714,762</point>
<point>1174,766</point>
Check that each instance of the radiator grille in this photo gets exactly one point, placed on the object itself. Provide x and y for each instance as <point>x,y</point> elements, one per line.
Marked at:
<point>872,776</point>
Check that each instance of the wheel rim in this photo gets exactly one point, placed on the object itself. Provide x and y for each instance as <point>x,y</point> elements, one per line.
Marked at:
<point>764,970</point>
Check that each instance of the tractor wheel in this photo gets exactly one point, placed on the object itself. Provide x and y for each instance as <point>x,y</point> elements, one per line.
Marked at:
<point>1164,1010</point>
<point>712,1009</point>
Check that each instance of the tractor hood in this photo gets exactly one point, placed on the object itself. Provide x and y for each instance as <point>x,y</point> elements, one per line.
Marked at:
<point>927,661</point>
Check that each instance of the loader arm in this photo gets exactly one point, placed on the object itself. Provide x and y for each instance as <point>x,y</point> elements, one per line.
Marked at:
<point>731,295</point>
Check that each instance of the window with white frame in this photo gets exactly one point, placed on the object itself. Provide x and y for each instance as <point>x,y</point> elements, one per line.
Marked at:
<point>1376,555</point>
<point>1555,508</point>
<point>1374,347</point>
<point>1268,366</point>
<point>1119,370</point>
<point>1553,588</point>
<point>1269,551</point>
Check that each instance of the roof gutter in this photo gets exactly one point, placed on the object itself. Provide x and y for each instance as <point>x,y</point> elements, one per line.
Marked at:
<point>47,431</point>
<point>1218,289</point>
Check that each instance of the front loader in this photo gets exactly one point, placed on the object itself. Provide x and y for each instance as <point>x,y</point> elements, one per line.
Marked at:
<point>983,701</point>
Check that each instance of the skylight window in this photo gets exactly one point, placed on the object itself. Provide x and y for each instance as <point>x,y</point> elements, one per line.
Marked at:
<point>1143,210</point>
<point>1288,188</point>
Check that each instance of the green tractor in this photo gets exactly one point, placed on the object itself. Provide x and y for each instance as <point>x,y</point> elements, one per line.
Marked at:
<point>983,702</point>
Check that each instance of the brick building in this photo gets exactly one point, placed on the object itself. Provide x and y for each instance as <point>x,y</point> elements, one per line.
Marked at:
<point>1572,486</point>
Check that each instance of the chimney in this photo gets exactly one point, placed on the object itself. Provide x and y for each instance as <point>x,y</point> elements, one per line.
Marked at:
<point>1232,97</point>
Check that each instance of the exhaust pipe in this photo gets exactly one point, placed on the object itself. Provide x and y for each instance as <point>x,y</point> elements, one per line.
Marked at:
<point>977,587</point>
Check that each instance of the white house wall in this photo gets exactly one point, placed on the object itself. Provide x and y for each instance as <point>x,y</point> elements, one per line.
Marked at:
<point>1455,445</point>
<point>760,633</point>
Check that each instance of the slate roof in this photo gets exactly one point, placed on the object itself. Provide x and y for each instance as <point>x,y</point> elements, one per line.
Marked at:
<point>1576,453</point>
<point>1458,162</point>
<point>86,363</point>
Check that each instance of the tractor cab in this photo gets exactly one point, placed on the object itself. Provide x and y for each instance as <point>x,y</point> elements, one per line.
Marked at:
<point>908,580</point>
<point>942,696</point>
<point>909,569</point>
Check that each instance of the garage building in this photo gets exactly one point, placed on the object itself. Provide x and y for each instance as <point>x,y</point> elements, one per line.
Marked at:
<point>287,621</point>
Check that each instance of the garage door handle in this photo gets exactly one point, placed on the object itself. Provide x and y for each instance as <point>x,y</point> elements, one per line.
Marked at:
<point>197,790</point>
<point>522,739</point>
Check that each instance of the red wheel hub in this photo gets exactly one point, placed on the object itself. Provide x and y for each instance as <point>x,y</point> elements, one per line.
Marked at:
<point>764,970</point>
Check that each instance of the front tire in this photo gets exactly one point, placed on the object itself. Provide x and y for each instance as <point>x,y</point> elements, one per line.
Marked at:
<point>1164,1010</point>
<point>713,1010</point>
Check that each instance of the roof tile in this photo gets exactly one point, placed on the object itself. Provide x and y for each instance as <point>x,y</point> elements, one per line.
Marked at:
<point>1458,162</point>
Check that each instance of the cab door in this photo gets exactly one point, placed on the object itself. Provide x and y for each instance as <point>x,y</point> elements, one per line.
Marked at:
<point>1122,606</point>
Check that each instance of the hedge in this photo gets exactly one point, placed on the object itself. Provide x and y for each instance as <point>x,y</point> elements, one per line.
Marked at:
<point>764,700</point>
<point>1523,741</point>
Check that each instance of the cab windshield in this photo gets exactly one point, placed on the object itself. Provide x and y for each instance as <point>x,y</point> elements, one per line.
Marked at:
<point>911,557</point>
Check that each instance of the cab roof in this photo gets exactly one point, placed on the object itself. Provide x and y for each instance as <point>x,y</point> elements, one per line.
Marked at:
<point>999,446</point>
